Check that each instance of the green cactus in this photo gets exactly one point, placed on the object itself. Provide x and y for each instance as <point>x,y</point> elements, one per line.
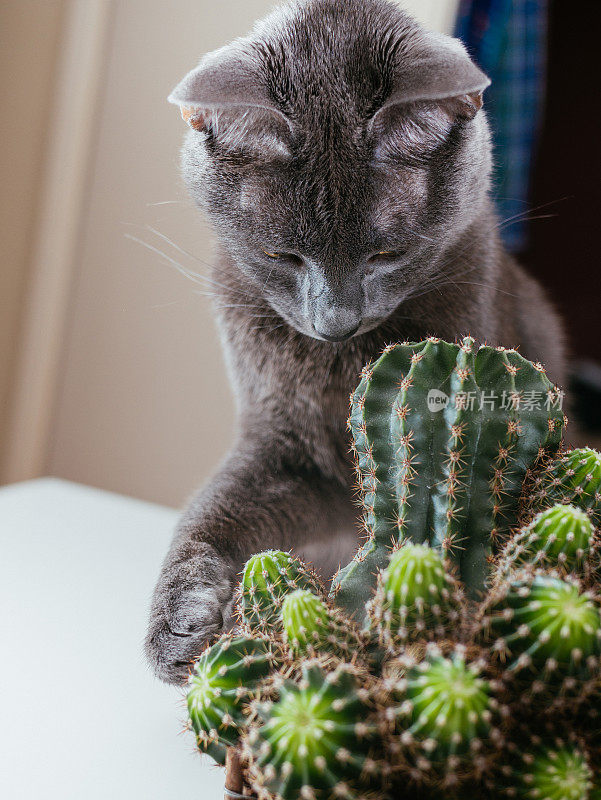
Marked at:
<point>543,624</point>
<point>560,537</point>
<point>449,475</point>
<point>317,741</point>
<point>312,628</point>
<point>267,578</point>
<point>574,477</point>
<point>557,772</point>
<point>416,599</point>
<point>434,690</point>
<point>226,676</point>
<point>447,718</point>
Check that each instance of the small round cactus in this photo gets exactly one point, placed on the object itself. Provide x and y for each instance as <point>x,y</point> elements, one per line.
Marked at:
<point>267,578</point>
<point>574,477</point>
<point>416,598</point>
<point>446,713</point>
<point>312,628</point>
<point>558,772</point>
<point>225,678</point>
<point>317,740</point>
<point>544,624</point>
<point>560,537</point>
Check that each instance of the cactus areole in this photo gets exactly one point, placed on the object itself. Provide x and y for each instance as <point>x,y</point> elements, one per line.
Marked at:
<point>443,435</point>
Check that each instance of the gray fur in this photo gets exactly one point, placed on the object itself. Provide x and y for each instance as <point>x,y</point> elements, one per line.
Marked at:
<point>332,132</point>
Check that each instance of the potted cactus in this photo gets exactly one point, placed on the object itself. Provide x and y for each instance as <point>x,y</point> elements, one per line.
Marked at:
<point>459,654</point>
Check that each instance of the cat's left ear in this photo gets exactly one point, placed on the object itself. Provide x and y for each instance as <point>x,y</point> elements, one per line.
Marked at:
<point>438,68</point>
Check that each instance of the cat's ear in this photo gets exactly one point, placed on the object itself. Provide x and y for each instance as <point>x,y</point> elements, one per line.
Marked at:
<point>439,69</point>
<point>227,92</point>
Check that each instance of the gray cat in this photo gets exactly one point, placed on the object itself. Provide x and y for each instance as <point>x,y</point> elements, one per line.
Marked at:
<point>342,156</point>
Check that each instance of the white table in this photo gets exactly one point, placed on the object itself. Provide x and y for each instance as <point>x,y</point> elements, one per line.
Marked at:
<point>81,716</point>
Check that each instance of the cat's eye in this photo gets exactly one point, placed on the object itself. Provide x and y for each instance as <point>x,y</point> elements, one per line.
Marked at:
<point>385,255</point>
<point>291,258</point>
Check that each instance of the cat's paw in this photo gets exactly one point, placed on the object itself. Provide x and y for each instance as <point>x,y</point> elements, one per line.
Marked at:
<point>192,604</point>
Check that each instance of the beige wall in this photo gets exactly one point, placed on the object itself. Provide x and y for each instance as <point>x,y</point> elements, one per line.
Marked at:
<point>29,40</point>
<point>144,407</point>
<point>139,402</point>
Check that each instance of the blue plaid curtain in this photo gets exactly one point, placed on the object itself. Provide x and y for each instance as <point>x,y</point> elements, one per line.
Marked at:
<point>508,39</point>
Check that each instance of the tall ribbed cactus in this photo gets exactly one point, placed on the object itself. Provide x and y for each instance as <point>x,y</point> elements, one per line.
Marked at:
<point>443,437</point>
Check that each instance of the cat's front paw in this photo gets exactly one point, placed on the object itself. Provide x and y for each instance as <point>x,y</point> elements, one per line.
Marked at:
<point>192,603</point>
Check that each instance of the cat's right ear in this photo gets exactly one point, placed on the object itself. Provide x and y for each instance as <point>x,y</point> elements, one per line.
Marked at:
<point>226,90</point>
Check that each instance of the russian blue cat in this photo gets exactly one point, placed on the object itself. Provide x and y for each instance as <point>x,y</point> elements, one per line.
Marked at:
<point>343,157</point>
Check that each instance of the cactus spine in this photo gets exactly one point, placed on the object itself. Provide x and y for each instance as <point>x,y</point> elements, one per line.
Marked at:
<point>267,578</point>
<point>447,476</point>
<point>225,678</point>
<point>416,599</point>
<point>317,740</point>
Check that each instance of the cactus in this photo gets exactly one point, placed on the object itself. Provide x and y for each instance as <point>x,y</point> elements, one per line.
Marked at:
<point>550,772</point>
<point>225,677</point>
<point>317,740</point>
<point>447,717</point>
<point>267,578</point>
<point>560,537</point>
<point>416,599</point>
<point>447,476</point>
<point>574,477</point>
<point>545,625</point>
<point>313,628</point>
<point>463,700</point>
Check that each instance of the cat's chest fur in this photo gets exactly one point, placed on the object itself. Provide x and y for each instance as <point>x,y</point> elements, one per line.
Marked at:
<point>302,385</point>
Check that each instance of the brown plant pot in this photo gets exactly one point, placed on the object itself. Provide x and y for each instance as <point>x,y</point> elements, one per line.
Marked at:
<point>235,785</point>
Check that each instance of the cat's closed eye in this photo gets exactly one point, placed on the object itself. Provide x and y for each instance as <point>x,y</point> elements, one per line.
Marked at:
<point>385,255</point>
<point>276,255</point>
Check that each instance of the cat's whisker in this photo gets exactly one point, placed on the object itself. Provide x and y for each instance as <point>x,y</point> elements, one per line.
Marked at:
<point>176,264</point>
<point>421,235</point>
<point>213,267</point>
<point>523,215</point>
<point>230,305</point>
<point>266,327</point>
<point>195,277</point>
<point>256,316</point>
<point>489,286</point>
<point>525,218</point>
<point>167,203</point>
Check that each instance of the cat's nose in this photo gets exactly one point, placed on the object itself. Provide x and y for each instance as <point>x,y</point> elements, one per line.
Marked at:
<point>336,324</point>
<point>333,303</point>
<point>337,337</point>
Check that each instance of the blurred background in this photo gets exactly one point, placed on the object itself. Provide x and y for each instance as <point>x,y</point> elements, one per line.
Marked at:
<point>110,368</point>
